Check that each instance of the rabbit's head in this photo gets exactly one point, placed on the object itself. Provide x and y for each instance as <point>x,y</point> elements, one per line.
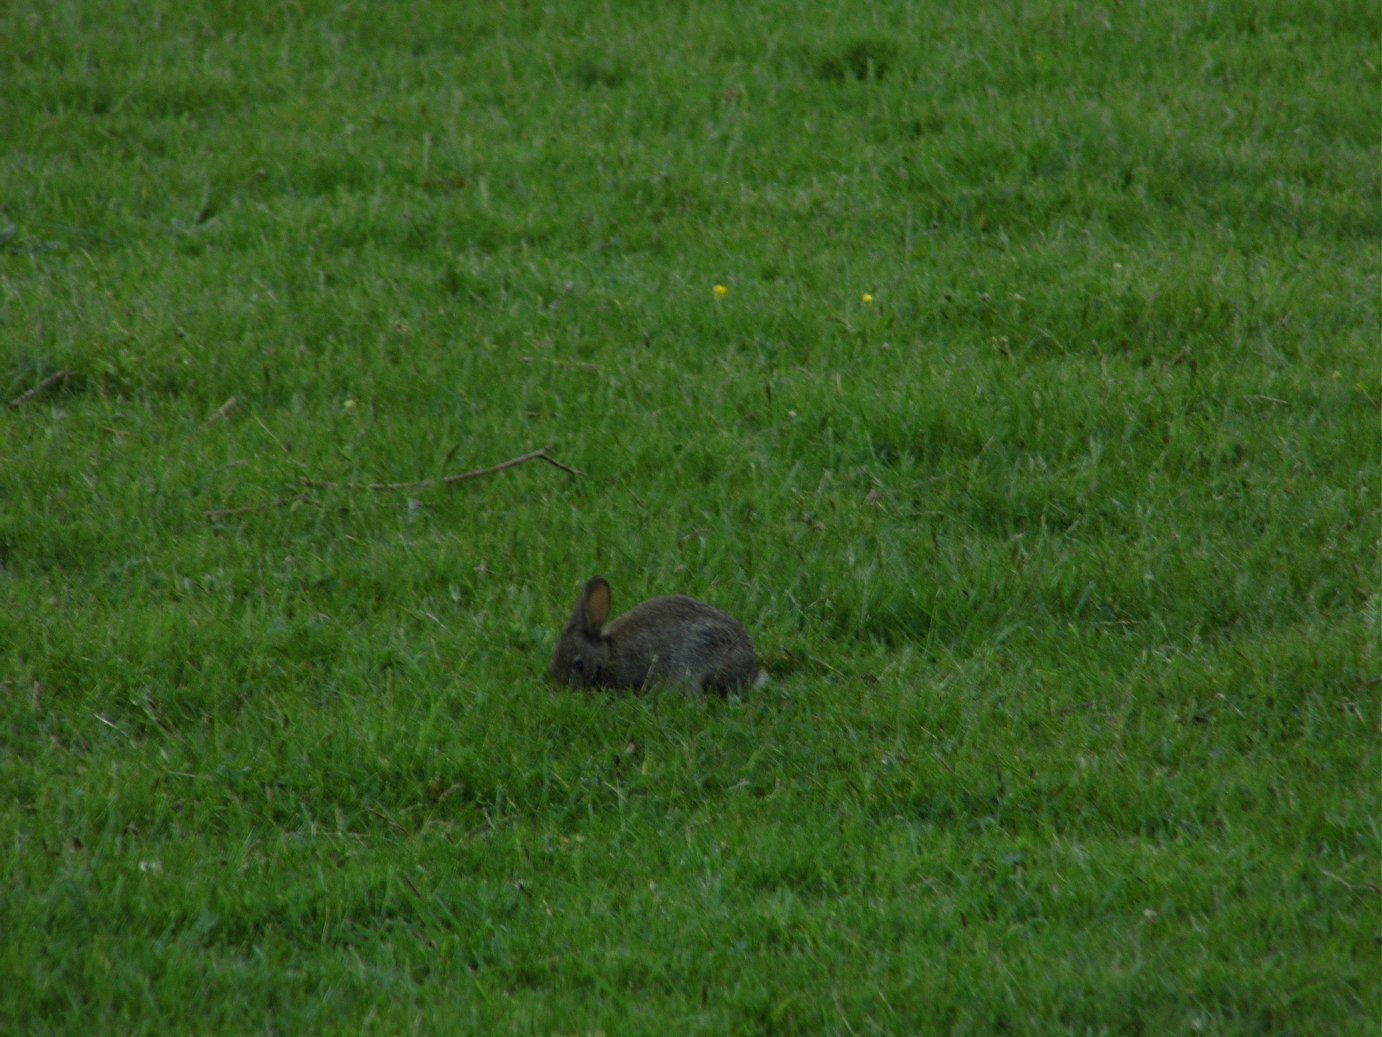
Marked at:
<point>582,657</point>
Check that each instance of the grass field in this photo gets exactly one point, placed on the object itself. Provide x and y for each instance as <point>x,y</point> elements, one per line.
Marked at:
<point>1034,435</point>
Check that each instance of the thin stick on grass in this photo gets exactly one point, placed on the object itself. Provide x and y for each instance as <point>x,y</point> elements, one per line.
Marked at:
<point>56,378</point>
<point>1365,887</point>
<point>223,411</point>
<point>385,818</point>
<point>419,484</point>
<point>245,509</point>
<point>452,480</point>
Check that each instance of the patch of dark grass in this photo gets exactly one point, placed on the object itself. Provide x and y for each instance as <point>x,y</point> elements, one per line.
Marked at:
<point>863,58</point>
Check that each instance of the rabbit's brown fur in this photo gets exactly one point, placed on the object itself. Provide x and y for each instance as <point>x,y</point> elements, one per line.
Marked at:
<point>674,640</point>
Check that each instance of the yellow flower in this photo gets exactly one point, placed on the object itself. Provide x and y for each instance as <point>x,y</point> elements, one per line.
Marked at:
<point>349,404</point>
<point>721,291</point>
<point>868,299</point>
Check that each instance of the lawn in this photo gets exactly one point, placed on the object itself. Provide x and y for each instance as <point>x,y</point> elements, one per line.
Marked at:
<point>1011,371</point>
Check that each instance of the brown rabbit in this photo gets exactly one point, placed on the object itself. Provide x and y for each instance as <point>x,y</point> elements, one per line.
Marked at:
<point>676,640</point>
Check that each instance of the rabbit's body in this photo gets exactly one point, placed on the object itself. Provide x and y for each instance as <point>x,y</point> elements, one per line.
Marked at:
<point>673,640</point>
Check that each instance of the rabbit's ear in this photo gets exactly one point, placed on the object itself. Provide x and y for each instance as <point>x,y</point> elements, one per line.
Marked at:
<point>593,609</point>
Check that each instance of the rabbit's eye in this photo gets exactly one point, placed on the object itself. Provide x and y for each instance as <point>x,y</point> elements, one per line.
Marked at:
<point>578,665</point>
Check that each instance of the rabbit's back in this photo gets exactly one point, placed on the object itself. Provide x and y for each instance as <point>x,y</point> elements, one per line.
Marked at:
<point>681,640</point>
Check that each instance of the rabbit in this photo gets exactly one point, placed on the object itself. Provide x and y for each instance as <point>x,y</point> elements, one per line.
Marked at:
<point>676,640</point>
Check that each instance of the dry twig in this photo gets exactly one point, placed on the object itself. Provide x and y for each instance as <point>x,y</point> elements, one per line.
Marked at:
<point>245,509</point>
<point>223,411</point>
<point>419,484</point>
<point>56,378</point>
<point>1365,887</point>
<point>451,480</point>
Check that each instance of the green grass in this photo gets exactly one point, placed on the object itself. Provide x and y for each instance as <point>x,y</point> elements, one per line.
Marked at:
<point>1062,551</point>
